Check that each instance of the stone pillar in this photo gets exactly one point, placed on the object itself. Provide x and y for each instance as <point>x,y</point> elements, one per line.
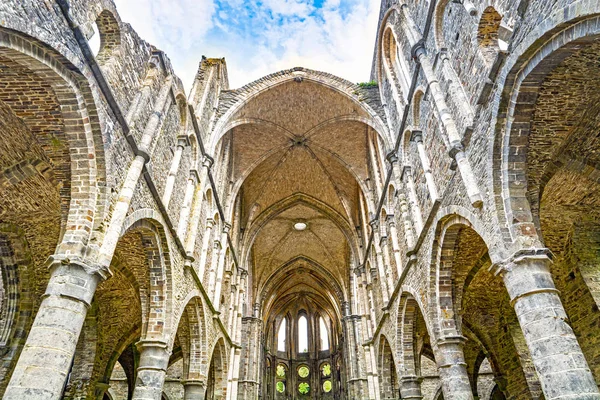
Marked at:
<point>456,88</point>
<point>250,353</point>
<point>152,370</point>
<point>204,252</point>
<point>417,137</point>
<point>408,226</point>
<point>453,368</point>
<point>383,282</point>
<point>455,147</point>
<point>175,162</point>
<point>212,272</point>
<point>189,229</point>
<point>185,221</point>
<point>113,232</point>
<point>410,387</point>
<point>557,357</point>
<point>194,390</point>
<point>395,243</point>
<point>415,209</point>
<point>220,267</point>
<point>45,361</point>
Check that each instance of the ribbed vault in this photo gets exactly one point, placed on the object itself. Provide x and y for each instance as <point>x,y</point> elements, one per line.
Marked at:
<point>301,150</point>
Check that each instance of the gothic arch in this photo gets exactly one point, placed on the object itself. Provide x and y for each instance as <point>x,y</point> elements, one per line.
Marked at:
<point>252,90</point>
<point>157,320</point>
<point>217,374</point>
<point>70,90</point>
<point>544,48</point>
<point>442,296</point>
<point>110,36</point>
<point>196,358</point>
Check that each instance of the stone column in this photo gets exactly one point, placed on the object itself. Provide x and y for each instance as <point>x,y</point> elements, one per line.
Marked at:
<point>383,282</point>
<point>194,390</point>
<point>395,243</point>
<point>185,220</point>
<point>417,137</point>
<point>453,368</point>
<point>113,232</point>
<point>557,357</point>
<point>45,361</point>
<point>408,226</point>
<point>152,370</point>
<point>415,209</point>
<point>456,88</point>
<point>204,252</point>
<point>189,229</point>
<point>455,147</point>
<point>175,162</point>
<point>410,387</point>
<point>220,267</point>
<point>212,272</point>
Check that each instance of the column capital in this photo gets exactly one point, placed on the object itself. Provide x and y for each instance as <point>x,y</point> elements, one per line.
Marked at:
<point>416,136</point>
<point>210,223</point>
<point>411,378</point>
<point>455,148</point>
<point>417,49</point>
<point>207,161</point>
<point>182,141</point>
<point>195,176</point>
<point>390,220</point>
<point>75,280</point>
<point>392,157</point>
<point>154,354</point>
<point>451,340</point>
<point>226,227</point>
<point>193,382</point>
<point>406,171</point>
<point>520,256</point>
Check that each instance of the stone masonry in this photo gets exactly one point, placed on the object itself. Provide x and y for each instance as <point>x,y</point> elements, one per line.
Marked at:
<point>430,234</point>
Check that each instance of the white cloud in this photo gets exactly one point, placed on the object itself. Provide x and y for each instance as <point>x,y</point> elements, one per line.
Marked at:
<point>259,38</point>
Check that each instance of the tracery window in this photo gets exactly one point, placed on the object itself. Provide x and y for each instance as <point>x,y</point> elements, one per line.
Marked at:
<point>302,356</point>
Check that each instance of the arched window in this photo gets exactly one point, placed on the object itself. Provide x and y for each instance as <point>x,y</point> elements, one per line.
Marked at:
<point>302,334</point>
<point>323,335</point>
<point>281,336</point>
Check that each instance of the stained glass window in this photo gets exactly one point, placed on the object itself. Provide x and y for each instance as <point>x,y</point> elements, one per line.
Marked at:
<point>280,386</point>
<point>303,371</point>
<point>280,371</point>
<point>303,388</point>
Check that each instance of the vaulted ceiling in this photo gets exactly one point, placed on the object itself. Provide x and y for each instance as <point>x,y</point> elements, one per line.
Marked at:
<point>300,152</point>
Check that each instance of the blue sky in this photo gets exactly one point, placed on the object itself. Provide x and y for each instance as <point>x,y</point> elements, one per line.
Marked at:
<point>259,37</point>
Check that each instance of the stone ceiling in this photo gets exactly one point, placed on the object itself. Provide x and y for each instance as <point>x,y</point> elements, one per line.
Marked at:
<point>300,154</point>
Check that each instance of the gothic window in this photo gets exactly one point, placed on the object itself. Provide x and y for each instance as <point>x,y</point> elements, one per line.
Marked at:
<point>302,334</point>
<point>281,336</point>
<point>323,335</point>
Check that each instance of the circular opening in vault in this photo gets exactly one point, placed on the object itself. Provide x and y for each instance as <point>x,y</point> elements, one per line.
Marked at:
<point>300,226</point>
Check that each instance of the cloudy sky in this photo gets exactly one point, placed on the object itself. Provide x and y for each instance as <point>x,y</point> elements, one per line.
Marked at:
<point>258,37</point>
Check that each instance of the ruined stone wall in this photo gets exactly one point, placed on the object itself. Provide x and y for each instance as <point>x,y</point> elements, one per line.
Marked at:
<point>121,88</point>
